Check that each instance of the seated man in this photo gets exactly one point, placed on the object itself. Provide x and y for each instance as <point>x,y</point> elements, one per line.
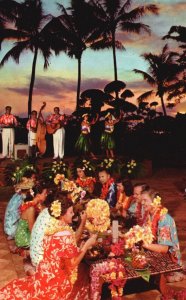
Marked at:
<point>109,189</point>
<point>136,207</point>
<point>164,230</point>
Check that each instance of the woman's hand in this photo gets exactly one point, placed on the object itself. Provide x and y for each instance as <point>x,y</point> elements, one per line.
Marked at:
<point>91,241</point>
<point>83,216</point>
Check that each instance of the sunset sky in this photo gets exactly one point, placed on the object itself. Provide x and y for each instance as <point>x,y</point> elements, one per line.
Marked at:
<point>57,84</point>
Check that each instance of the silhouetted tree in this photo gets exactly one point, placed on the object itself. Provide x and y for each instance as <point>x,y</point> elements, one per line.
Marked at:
<point>115,15</point>
<point>29,22</point>
<point>79,29</point>
<point>178,89</point>
<point>162,72</point>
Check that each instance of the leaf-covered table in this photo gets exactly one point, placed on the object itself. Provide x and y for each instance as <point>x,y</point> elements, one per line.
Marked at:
<point>158,265</point>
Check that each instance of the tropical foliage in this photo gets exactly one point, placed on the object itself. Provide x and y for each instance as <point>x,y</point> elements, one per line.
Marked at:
<point>115,15</point>
<point>163,71</point>
<point>29,27</point>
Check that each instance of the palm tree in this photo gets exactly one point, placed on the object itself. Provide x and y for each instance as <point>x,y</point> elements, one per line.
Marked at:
<point>114,15</point>
<point>178,33</point>
<point>178,89</point>
<point>78,27</point>
<point>29,22</point>
<point>8,9</point>
<point>162,72</point>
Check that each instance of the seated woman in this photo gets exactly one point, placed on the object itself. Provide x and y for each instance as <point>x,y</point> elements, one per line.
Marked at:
<point>57,272</point>
<point>28,210</point>
<point>163,228</point>
<point>38,230</point>
<point>40,226</point>
<point>12,213</point>
<point>124,196</point>
<point>84,179</point>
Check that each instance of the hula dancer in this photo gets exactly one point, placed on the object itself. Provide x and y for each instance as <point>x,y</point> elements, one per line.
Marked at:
<point>107,138</point>
<point>83,144</point>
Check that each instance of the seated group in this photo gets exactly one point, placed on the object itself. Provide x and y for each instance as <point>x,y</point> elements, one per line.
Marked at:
<point>38,217</point>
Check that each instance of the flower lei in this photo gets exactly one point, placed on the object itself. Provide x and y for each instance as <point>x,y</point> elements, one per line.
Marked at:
<point>105,188</point>
<point>77,194</point>
<point>141,220</point>
<point>24,206</point>
<point>159,212</point>
<point>112,271</point>
<point>58,178</point>
<point>85,182</point>
<point>136,234</point>
<point>98,215</point>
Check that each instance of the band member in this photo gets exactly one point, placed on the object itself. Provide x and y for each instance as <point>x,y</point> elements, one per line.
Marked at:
<point>57,122</point>
<point>32,132</point>
<point>8,122</point>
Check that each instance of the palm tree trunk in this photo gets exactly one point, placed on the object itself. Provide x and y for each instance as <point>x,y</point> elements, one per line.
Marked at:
<point>32,82</point>
<point>114,55</point>
<point>78,83</point>
<point>163,105</point>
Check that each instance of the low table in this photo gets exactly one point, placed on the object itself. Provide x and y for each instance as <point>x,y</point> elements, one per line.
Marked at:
<point>159,264</point>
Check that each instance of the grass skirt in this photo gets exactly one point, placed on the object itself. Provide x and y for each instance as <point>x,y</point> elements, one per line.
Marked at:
<point>83,144</point>
<point>107,141</point>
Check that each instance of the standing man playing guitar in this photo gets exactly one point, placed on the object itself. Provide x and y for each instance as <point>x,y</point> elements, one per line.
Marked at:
<point>55,125</point>
<point>8,122</point>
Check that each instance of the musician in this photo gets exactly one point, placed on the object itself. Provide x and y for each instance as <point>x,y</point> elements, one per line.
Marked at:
<point>8,122</point>
<point>57,122</point>
<point>32,132</point>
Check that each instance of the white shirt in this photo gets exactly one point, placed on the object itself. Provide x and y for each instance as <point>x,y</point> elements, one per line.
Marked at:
<point>37,236</point>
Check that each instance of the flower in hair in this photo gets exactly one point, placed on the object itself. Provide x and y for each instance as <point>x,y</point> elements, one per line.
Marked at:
<point>156,201</point>
<point>56,209</point>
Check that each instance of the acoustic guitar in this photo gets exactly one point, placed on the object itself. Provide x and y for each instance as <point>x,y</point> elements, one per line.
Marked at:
<point>52,128</point>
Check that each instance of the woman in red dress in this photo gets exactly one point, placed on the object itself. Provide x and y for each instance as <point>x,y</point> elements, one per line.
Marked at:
<point>57,272</point>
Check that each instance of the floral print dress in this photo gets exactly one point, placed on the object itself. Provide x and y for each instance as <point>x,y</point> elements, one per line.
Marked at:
<point>54,277</point>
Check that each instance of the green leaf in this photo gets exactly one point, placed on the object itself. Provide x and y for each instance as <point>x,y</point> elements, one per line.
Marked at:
<point>128,258</point>
<point>145,274</point>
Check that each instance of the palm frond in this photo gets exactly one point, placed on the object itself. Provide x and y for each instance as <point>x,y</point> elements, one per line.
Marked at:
<point>9,33</point>
<point>147,77</point>
<point>145,96</point>
<point>135,27</point>
<point>105,43</point>
<point>15,52</point>
<point>125,6</point>
<point>139,12</point>
<point>10,9</point>
<point>180,31</point>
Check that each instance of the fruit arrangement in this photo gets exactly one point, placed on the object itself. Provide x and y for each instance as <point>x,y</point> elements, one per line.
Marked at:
<point>139,261</point>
